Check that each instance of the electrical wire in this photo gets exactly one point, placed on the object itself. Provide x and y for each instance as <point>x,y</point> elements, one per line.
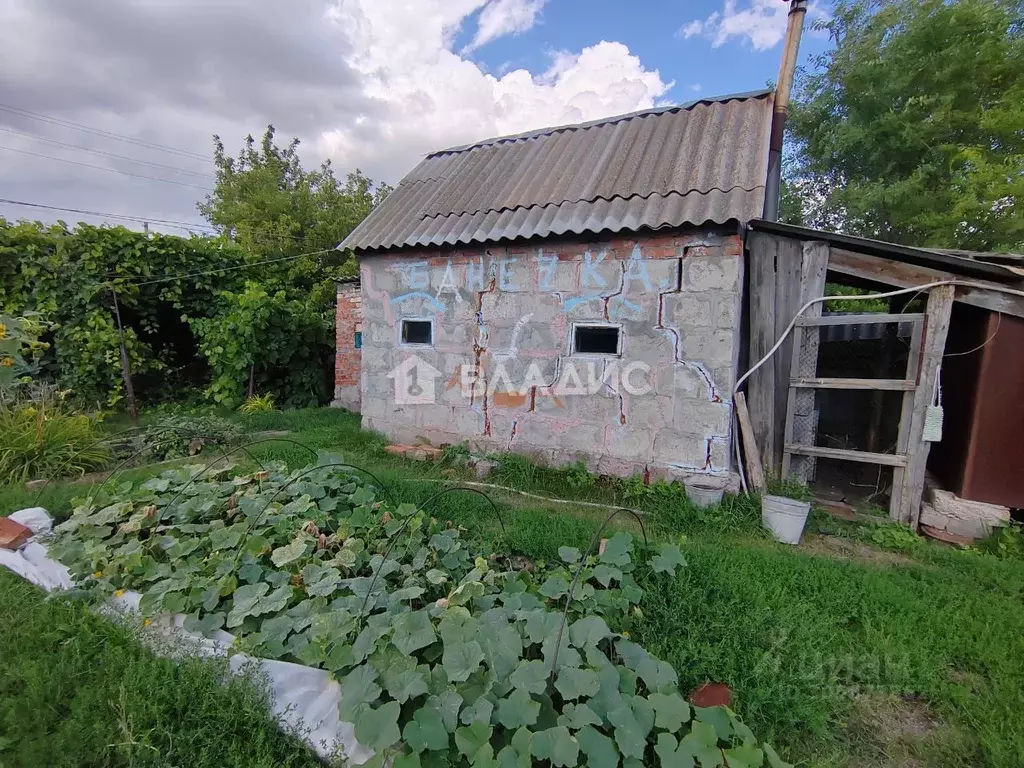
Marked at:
<point>105,168</point>
<point>792,324</point>
<point>106,154</point>
<point>171,278</point>
<point>99,132</point>
<point>122,216</point>
<point>259,237</point>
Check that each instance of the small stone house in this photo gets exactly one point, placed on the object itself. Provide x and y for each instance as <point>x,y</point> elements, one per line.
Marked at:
<point>573,293</point>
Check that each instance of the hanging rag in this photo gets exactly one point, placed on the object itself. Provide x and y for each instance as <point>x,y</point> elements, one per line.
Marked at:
<point>933,412</point>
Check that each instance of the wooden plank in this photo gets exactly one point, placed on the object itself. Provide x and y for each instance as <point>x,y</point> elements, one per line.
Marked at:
<point>789,260</point>
<point>791,415</point>
<point>761,252</point>
<point>887,272</point>
<point>906,417</point>
<point>860,319</point>
<point>937,314</point>
<point>894,385</point>
<point>755,469</point>
<point>813,271</point>
<point>885,459</point>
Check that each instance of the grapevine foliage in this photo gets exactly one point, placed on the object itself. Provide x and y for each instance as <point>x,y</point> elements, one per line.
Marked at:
<point>444,656</point>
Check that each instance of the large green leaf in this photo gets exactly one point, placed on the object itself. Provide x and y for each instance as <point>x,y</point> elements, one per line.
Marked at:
<point>744,756</point>
<point>670,710</point>
<point>378,728</point>
<point>576,716</point>
<point>590,630</point>
<point>426,730</point>
<point>320,581</point>
<point>289,553</point>
<point>460,660</point>
<point>518,709</point>
<point>657,675</point>
<point>631,726</point>
<point>599,749</point>
<point>576,683</point>
<point>246,599</point>
<point>616,550</point>
<point>473,741</point>
<point>407,684</point>
<point>530,675</point>
<point>413,631</point>
<point>448,704</point>
<point>358,691</point>
<point>557,745</point>
<point>667,560</point>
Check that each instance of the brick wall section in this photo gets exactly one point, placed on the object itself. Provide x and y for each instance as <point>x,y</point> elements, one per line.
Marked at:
<point>675,297</point>
<point>348,359</point>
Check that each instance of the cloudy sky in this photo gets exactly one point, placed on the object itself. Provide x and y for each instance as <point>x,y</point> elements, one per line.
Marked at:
<point>110,105</point>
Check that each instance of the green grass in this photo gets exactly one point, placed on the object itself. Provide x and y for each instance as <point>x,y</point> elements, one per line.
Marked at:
<point>826,657</point>
<point>78,690</point>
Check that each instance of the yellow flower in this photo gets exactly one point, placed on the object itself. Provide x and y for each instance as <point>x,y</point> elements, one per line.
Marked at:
<point>146,622</point>
<point>119,593</point>
<point>3,331</point>
<point>98,575</point>
<point>7,362</point>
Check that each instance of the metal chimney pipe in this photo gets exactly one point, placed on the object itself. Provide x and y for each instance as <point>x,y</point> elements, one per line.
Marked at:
<point>787,70</point>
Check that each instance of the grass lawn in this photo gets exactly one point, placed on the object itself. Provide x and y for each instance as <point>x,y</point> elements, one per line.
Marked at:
<point>77,690</point>
<point>839,653</point>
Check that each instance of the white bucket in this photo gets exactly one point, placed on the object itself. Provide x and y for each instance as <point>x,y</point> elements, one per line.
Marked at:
<point>702,495</point>
<point>785,518</point>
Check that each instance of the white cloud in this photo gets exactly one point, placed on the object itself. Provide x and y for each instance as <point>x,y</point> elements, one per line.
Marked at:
<point>762,23</point>
<point>427,97</point>
<point>373,84</point>
<point>504,17</point>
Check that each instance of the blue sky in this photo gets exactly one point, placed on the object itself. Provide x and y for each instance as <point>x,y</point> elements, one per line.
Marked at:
<point>654,31</point>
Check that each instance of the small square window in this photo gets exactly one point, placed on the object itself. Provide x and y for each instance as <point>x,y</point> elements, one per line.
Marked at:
<point>595,340</point>
<point>417,332</point>
<point>359,339</point>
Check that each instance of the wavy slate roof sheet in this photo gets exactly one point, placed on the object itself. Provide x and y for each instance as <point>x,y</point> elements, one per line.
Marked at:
<point>701,162</point>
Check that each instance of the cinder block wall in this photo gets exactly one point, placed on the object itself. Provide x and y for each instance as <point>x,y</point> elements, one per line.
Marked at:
<point>348,358</point>
<point>675,297</point>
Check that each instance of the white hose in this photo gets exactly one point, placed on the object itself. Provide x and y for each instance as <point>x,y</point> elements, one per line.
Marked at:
<point>811,303</point>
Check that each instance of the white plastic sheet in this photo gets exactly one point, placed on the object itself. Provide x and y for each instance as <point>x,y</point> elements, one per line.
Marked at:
<point>303,699</point>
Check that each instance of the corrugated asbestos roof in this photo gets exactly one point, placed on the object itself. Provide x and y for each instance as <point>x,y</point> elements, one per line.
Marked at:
<point>701,162</point>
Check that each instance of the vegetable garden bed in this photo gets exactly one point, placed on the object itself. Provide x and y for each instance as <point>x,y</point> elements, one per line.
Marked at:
<point>444,654</point>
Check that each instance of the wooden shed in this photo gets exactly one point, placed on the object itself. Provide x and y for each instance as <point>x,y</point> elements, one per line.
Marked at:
<point>845,397</point>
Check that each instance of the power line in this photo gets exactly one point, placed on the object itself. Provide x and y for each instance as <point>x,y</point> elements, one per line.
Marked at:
<point>99,132</point>
<point>107,154</point>
<point>213,229</point>
<point>171,278</point>
<point>105,168</point>
<point>122,216</point>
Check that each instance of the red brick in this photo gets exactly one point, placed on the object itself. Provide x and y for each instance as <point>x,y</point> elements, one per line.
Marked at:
<point>13,534</point>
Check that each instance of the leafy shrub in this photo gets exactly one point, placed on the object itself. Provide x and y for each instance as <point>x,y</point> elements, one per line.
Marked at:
<point>282,345</point>
<point>40,440</point>
<point>177,436</point>
<point>20,350</point>
<point>894,536</point>
<point>1005,542</point>
<point>578,476</point>
<point>257,404</point>
<point>444,656</point>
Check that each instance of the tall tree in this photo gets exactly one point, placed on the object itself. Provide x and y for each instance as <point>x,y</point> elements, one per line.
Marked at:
<point>272,207</point>
<point>911,129</point>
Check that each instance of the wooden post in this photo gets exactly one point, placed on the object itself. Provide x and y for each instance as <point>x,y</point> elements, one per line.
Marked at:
<point>805,422</point>
<point>940,304</point>
<point>755,469</point>
<point>126,369</point>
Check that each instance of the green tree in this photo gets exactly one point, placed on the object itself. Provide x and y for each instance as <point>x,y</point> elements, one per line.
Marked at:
<point>911,129</point>
<point>270,206</point>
